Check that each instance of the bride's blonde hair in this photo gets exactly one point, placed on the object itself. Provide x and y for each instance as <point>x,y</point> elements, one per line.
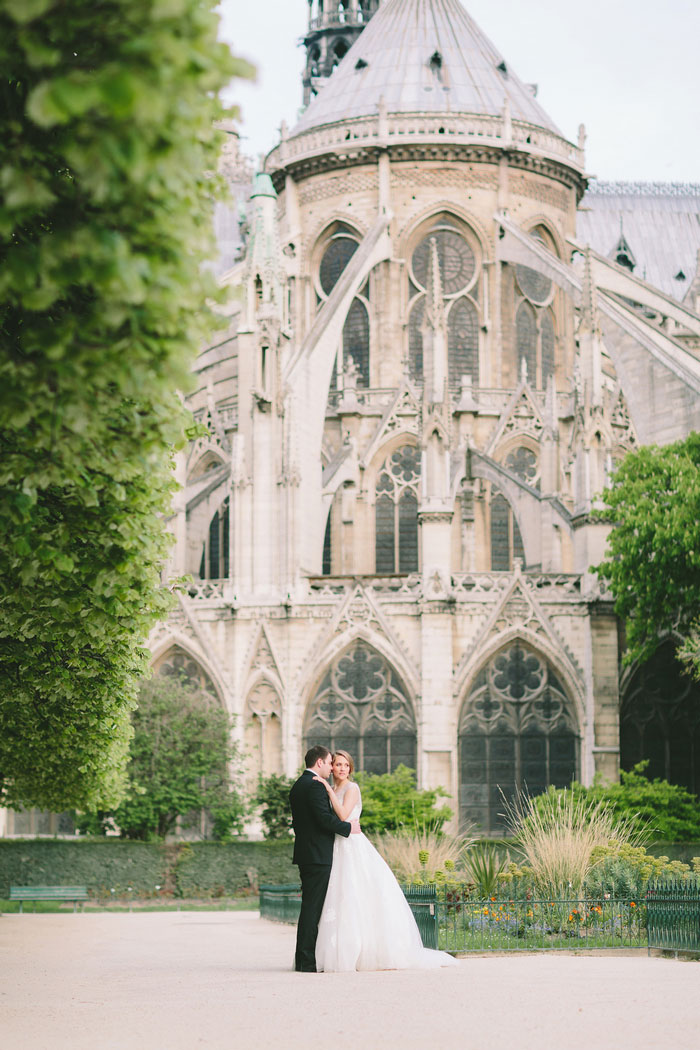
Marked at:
<point>348,758</point>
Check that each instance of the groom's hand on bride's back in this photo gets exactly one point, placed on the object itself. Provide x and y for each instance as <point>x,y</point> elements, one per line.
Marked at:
<point>355,828</point>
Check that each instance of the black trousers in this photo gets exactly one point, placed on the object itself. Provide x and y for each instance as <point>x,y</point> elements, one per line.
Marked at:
<point>314,884</point>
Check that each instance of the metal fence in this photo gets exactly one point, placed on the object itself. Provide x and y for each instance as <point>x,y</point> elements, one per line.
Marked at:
<point>280,903</point>
<point>448,917</point>
<point>673,915</point>
<point>525,924</point>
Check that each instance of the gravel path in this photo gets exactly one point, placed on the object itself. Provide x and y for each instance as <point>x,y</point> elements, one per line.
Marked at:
<point>181,981</point>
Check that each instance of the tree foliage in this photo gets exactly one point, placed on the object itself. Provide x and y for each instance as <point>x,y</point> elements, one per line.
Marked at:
<point>391,802</point>
<point>668,811</point>
<point>107,121</point>
<point>653,565</point>
<point>272,796</point>
<point>180,761</point>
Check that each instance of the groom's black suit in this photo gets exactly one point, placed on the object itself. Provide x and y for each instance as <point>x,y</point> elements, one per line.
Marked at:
<point>315,825</point>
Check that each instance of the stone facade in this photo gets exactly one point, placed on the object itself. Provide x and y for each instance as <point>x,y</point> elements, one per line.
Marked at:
<point>425,383</point>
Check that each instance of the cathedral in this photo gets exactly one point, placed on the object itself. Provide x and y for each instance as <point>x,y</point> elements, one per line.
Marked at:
<point>442,337</point>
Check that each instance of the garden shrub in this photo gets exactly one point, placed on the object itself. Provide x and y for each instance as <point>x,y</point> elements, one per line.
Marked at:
<point>198,869</point>
<point>391,801</point>
<point>272,796</point>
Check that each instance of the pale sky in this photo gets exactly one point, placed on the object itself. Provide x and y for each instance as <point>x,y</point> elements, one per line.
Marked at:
<point>627,69</point>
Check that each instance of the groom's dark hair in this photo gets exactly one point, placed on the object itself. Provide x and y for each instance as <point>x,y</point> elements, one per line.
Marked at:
<point>313,754</point>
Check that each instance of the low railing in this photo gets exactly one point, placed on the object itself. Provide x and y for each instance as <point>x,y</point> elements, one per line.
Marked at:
<point>465,924</point>
<point>375,129</point>
<point>449,918</point>
<point>673,916</point>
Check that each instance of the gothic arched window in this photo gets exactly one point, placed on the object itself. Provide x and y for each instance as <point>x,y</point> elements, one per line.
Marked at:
<point>336,257</point>
<point>517,734</point>
<point>463,342</point>
<point>458,273</point>
<point>361,706</point>
<point>327,560</point>
<point>215,552</point>
<point>356,341</point>
<point>660,721</point>
<point>396,512</point>
<point>415,340</point>
<point>178,664</point>
<point>356,331</point>
<point>506,540</point>
<point>526,340</point>
<point>548,342</point>
<point>535,330</point>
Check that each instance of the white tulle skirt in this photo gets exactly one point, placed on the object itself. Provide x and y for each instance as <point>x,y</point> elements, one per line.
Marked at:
<point>366,922</point>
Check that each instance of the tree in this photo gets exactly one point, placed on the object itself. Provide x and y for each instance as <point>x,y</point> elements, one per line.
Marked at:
<point>653,565</point>
<point>108,114</point>
<point>391,802</point>
<point>272,796</point>
<point>180,761</point>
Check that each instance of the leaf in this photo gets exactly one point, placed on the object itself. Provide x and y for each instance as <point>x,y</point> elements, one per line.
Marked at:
<point>24,11</point>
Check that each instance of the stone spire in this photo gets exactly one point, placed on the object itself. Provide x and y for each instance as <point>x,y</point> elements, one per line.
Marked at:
<point>434,331</point>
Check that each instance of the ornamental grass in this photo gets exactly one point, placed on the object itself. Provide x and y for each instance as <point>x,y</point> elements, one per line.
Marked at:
<point>413,853</point>
<point>557,834</point>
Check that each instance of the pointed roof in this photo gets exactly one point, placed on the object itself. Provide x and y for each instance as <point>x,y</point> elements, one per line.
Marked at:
<point>422,56</point>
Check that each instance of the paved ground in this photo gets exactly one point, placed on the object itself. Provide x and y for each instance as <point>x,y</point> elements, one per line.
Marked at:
<point>222,981</point>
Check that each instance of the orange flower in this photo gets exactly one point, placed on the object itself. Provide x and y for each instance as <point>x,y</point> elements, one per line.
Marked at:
<point>632,904</point>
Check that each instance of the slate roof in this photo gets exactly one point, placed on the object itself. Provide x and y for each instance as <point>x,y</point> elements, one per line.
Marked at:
<point>659,221</point>
<point>422,56</point>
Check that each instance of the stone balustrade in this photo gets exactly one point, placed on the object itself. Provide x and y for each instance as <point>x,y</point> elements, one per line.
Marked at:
<point>461,129</point>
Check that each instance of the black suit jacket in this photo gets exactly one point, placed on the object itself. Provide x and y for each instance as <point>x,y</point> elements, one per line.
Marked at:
<point>314,822</point>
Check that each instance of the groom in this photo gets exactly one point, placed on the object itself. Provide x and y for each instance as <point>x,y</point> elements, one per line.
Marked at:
<point>314,824</point>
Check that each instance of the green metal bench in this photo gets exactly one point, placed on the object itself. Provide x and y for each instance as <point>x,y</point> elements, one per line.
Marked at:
<point>48,893</point>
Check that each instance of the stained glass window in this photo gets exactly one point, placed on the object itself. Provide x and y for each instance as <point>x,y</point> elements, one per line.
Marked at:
<point>548,341</point>
<point>517,733</point>
<point>356,341</point>
<point>214,564</point>
<point>522,462</point>
<point>455,257</point>
<point>362,707</point>
<point>326,570</point>
<point>463,342</point>
<point>506,540</point>
<point>533,284</point>
<point>415,340</point>
<point>336,257</point>
<point>396,512</point>
<point>526,340</point>
<point>178,664</point>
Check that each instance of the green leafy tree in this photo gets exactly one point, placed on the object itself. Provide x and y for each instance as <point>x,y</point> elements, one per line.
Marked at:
<point>107,124</point>
<point>653,565</point>
<point>180,761</point>
<point>272,796</point>
<point>391,802</point>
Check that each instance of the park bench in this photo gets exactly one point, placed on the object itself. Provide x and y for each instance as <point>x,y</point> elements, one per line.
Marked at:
<point>48,893</point>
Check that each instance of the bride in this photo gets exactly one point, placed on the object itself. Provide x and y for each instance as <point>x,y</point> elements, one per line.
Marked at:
<point>366,923</point>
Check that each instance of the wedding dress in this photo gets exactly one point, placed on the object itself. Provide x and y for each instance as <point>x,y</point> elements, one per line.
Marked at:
<point>366,923</point>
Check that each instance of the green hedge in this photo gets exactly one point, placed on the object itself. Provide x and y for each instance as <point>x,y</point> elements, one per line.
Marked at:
<point>198,869</point>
